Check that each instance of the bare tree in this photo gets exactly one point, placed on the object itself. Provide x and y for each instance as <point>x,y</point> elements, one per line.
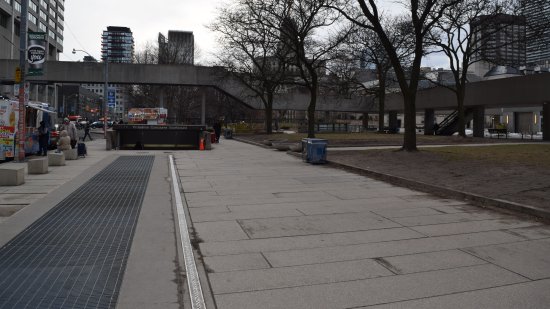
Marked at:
<point>463,33</point>
<point>308,31</point>
<point>421,18</point>
<point>181,101</point>
<point>252,53</point>
<point>366,48</point>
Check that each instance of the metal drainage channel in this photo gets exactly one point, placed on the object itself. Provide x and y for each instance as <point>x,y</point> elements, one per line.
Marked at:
<point>75,255</point>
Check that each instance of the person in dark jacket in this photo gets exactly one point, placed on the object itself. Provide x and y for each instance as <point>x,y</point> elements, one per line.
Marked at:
<point>87,132</point>
<point>43,137</point>
<point>217,130</point>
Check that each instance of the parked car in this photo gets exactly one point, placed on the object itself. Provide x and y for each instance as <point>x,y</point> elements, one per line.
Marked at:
<point>99,124</point>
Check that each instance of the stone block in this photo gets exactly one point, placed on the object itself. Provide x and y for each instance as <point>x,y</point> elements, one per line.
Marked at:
<point>38,165</point>
<point>71,154</point>
<point>56,159</point>
<point>12,174</point>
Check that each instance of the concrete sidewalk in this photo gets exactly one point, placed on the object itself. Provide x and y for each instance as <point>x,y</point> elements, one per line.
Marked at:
<point>279,233</point>
<point>275,232</point>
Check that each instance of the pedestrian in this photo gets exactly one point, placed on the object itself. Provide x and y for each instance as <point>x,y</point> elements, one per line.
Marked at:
<point>64,142</point>
<point>71,130</point>
<point>87,132</point>
<point>217,130</point>
<point>43,137</point>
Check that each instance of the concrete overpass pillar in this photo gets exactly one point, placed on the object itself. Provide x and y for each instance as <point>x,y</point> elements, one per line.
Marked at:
<point>365,121</point>
<point>203,107</point>
<point>429,118</point>
<point>479,121</point>
<point>161,95</point>
<point>392,120</point>
<point>545,121</point>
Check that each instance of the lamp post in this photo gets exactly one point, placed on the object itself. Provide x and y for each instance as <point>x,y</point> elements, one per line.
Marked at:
<point>105,95</point>
<point>105,89</point>
<point>81,50</point>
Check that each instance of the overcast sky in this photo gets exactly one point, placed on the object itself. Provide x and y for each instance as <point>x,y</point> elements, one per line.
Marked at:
<point>85,21</point>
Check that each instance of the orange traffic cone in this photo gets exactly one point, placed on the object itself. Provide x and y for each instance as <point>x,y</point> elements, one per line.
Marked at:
<point>201,144</point>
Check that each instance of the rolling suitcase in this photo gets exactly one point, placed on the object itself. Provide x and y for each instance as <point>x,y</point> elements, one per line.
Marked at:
<point>82,150</point>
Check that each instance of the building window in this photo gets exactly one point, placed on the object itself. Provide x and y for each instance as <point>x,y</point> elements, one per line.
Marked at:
<point>59,40</point>
<point>52,12</point>
<point>32,18</point>
<point>60,20</point>
<point>17,6</point>
<point>44,4</point>
<point>59,30</point>
<point>42,26</point>
<point>43,15</point>
<point>51,34</point>
<point>53,3</point>
<point>8,1</point>
<point>4,19</point>
<point>52,22</point>
<point>33,6</point>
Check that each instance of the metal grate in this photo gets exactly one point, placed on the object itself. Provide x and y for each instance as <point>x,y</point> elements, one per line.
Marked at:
<point>75,255</point>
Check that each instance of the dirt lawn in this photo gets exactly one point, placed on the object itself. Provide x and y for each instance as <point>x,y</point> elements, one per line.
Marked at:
<point>517,173</point>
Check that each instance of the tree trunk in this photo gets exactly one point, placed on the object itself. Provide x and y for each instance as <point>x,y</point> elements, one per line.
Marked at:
<point>409,138</point>
<point>311,115</point>
<point>268,103</point>
<point>269,119</point>
<point>381,107</point>
<point>460,93</point>
<point>312,104</point>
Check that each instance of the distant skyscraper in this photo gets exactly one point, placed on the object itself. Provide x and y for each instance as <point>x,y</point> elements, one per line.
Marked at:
<point>538,46</point>
<point>43,16</point>
<point>117,45</point>
<point>179,48</point>
<point>499,40</point>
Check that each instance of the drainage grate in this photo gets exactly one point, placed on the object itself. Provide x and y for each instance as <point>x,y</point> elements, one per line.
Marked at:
<point>75,255</point>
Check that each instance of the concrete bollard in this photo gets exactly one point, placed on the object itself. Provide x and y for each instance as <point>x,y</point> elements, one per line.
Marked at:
<point>38,165</point>
<point>56,159</point>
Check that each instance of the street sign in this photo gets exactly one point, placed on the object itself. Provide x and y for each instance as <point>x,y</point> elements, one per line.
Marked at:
<point>111,95</point>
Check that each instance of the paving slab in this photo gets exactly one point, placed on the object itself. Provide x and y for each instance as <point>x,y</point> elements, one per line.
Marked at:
<point>414,263</point>
<point>373,291</point>
<point>309,241</point>
<point>532,232</point>
<point>345,194</point>
<point>234,215</point>
<point>275,278</point>
<point>529,258</point>
<point>220,231</point>
<point>19,198</point>
<point>393,248</point>
<point>472,227</point>
<point>236,262</point>
<point>305,225</point>
<point>529,295</point>
<point>450,218</point>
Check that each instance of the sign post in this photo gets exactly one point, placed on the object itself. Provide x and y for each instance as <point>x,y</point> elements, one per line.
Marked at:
<point>22,64</point>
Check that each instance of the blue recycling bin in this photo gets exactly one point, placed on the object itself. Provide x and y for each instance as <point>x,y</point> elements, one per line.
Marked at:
<point>314,150</point>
